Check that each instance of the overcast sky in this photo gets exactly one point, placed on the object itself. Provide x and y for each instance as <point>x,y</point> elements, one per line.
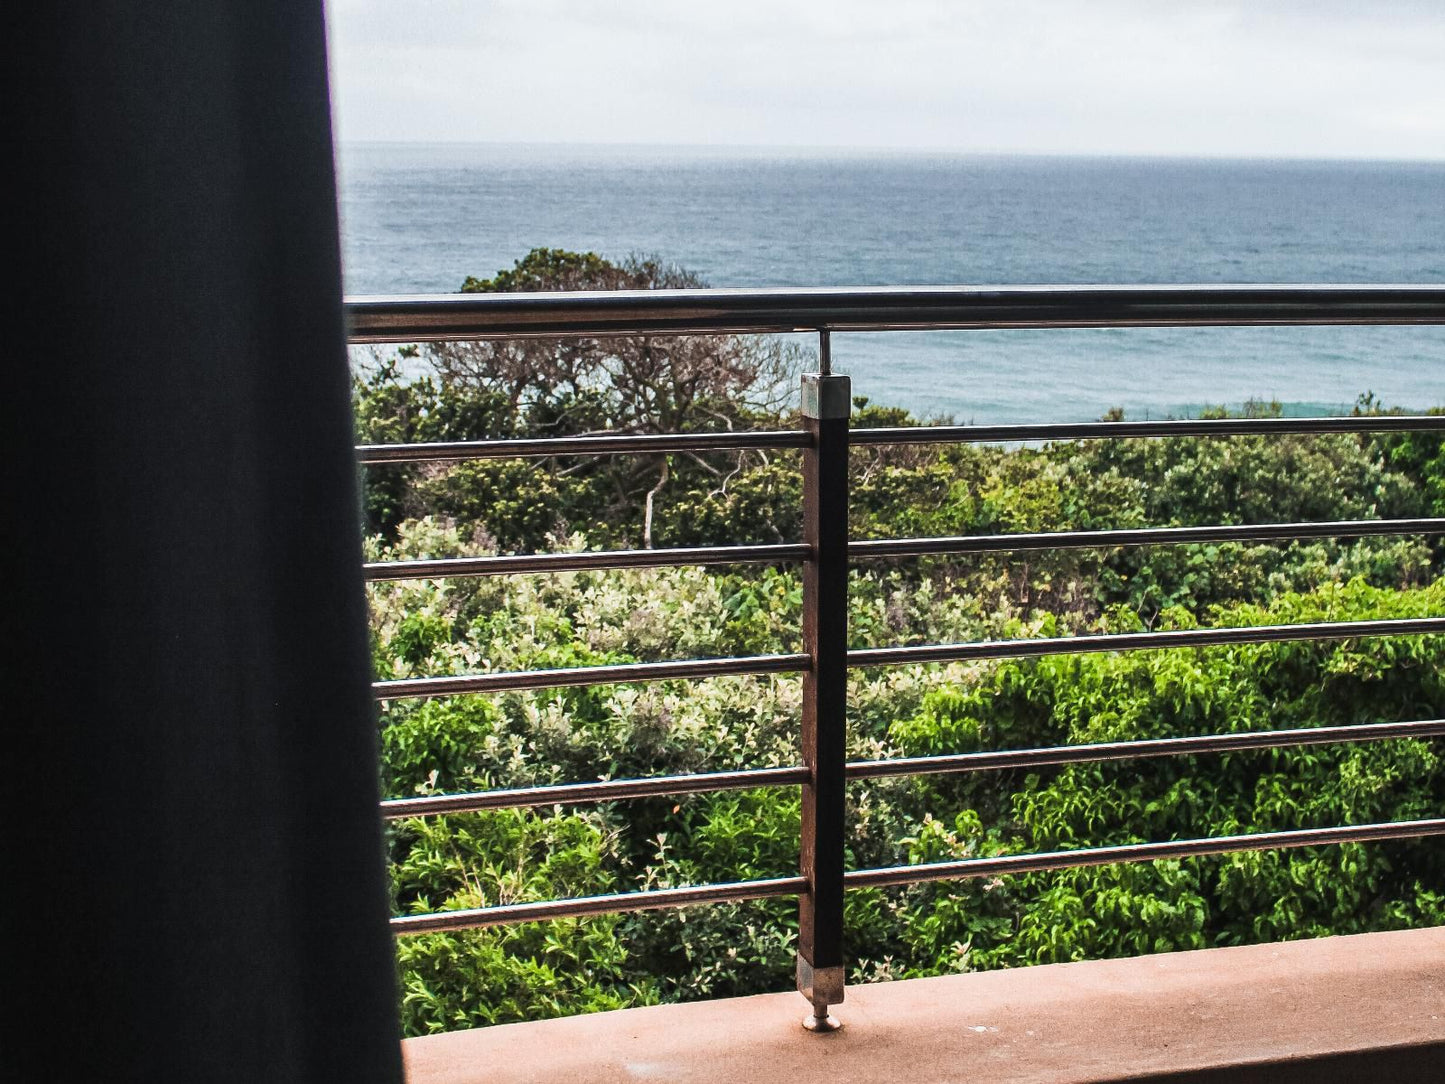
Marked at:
<point>1325,78</point>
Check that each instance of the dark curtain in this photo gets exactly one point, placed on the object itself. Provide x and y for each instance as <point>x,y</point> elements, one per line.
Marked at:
<point>193,881</point>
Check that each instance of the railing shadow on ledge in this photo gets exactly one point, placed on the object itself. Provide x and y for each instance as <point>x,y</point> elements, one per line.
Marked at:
<point>825,553</point>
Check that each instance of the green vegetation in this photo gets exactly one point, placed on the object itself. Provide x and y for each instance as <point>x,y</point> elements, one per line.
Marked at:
<point>479,742</point>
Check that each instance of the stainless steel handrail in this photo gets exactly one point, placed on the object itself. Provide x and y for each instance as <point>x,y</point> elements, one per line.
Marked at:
<point>880,308</point>
<point>592,444</point>
<point>607,790</point>
<point>448,567</point>
<point>662,443</point>
<point>611,790</point>
<point>893,876</point>
<point>649,900</point>
<point>624,673</point>
<point>1139,852</point>
<point>1174,427</point>
<point>1097,752</point>
<point>880,548</point>
<point>1141,641</point>
<point>619,673</point>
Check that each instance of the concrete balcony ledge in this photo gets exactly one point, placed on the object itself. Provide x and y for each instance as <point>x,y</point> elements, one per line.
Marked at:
<point>1335,1009</point>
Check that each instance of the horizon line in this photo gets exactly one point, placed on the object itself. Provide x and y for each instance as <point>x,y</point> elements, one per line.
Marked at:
<point>885,150</point>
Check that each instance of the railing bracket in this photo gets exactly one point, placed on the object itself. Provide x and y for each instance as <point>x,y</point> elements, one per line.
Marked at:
<point>826,396</point>
<point>822,986</point>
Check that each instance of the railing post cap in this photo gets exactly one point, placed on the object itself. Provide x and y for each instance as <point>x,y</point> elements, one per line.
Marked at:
<point>827,396</point>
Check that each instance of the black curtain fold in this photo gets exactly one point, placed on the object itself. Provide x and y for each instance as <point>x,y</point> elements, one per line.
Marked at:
<point>194,883</point>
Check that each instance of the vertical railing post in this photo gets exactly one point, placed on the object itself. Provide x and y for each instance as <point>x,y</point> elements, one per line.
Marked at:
<point>827,403</point>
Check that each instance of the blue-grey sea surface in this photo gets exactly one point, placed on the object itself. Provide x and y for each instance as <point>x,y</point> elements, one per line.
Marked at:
<point>419,218</point>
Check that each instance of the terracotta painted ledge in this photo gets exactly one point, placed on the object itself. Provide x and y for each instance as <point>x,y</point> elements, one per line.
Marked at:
<point>1335,1009</point>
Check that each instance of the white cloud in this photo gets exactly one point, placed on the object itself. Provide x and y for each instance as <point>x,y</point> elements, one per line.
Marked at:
<point>1287,77</point>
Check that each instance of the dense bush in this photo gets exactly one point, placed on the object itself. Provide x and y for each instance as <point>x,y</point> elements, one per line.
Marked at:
<point>516,739</point>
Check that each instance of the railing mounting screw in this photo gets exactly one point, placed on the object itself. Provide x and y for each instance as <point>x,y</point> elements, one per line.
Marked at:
<point>821,1020</point>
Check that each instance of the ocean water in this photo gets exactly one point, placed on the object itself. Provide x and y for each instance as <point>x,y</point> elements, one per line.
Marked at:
<point>419,218</point>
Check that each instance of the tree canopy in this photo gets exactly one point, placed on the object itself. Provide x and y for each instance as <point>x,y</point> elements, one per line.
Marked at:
<point>567,387</point>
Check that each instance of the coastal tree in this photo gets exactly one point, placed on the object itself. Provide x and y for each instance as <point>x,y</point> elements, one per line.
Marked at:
<point>625,384</point>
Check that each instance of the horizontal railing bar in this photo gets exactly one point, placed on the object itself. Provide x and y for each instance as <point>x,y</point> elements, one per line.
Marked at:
<point>709,782</point>
<point>1141,641</point>
<point>649,900</point>
<point>617,674</point>
<point>604,791</point>
<point>873,549</point>
<point>596,444</point>
<point>1132,750</point>
<point>582,562</point>
<point>659,443</point>
<point>594,314</point>
<point>1004,865</point>
<point>889,656</point>
<point>1143,536</point>
<point>1183,427</point>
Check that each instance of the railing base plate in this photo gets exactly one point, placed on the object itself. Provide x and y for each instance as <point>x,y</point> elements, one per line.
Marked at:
<point>821,1024</point>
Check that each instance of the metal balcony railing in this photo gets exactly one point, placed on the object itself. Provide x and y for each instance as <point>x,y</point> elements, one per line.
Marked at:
<point>825,553</point>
